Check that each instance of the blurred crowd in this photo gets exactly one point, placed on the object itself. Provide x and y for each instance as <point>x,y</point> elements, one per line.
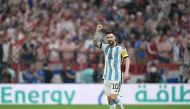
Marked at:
<point>38,32</point>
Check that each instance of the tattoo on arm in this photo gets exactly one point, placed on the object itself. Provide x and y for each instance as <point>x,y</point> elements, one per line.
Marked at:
<point>95,40</point>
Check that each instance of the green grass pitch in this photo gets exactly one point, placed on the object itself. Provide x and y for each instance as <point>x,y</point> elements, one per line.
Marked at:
<point>93,107</point>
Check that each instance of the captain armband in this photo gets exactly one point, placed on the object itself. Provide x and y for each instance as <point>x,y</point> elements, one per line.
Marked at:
<point>124,54</point>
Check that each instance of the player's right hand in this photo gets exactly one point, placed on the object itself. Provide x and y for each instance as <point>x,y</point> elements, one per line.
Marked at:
<point>99,27</point>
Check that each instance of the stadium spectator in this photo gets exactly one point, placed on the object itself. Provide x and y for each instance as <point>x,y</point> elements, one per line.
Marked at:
<point>57,71</point>
<point>7,74</point>
<point>185,74</point>
<point>39,72</point>
<point>98,73</point>
<point>30,75</point>
<point>141,50</point>
<point>28,52</point>
<point>9,71</point>
<point>6,77</point>
<point>69,75</point>
<point>54,54</point>
<point>139,80</point>
<point>152,49</point>
<point>6,49</point>
<point>164,49</point>
<point>87,74</point>
<point>178,50</point>
<point>81,54</point>
<point>164,75</point>
<point>48,74</point>
<point>153,75</point>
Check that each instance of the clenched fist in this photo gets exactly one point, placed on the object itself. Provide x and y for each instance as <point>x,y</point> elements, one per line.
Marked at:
<point>99,27</point>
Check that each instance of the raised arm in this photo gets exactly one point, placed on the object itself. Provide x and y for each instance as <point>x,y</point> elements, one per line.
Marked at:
<point>97,33</point>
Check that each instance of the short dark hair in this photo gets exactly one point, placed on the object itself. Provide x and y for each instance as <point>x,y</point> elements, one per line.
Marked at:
<point>107,31</point>
<point>113,31</point>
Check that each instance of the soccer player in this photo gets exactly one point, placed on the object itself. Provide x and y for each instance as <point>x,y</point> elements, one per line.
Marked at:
<point>114,54</point>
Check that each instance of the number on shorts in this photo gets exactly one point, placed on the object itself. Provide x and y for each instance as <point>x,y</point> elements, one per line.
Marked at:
<point>115,86</point>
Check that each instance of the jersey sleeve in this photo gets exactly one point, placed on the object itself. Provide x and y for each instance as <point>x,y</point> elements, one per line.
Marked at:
<point>103,46</point>
<point>124,53</point>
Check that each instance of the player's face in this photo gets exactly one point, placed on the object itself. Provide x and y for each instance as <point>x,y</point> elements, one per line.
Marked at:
<point>110,38</point>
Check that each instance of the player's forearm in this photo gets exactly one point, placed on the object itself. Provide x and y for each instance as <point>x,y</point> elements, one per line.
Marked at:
<point>127,65</point>
<point>95,39</point>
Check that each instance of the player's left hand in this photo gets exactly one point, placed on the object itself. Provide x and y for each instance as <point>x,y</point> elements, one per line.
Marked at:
<point>126,75</point>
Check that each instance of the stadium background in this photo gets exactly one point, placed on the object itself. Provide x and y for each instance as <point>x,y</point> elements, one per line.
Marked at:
<point>50,41</point>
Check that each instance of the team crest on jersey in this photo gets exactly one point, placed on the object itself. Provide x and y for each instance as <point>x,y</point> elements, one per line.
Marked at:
<point>110,56</point>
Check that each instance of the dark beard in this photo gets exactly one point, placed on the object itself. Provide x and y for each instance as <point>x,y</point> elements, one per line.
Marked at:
<point>111,43</point>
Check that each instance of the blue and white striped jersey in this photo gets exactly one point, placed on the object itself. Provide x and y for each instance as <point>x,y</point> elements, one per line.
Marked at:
<point>113,60</point>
